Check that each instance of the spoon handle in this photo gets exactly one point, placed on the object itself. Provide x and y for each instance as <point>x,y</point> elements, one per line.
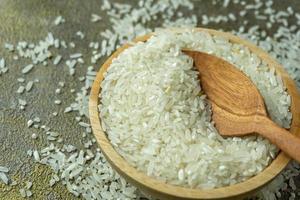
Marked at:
<point>286,141</point>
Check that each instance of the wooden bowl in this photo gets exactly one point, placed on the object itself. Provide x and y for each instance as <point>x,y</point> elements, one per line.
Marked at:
<point>162,190</point>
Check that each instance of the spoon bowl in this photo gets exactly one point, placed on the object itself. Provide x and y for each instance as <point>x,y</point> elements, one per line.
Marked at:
<point>162,190</point>
<point>238,108</point>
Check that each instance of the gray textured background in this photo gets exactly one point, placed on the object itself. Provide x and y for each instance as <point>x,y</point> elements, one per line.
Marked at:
<point>31,20</point>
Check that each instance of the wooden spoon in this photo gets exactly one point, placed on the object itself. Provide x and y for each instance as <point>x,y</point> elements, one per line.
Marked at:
<point>238,108</point>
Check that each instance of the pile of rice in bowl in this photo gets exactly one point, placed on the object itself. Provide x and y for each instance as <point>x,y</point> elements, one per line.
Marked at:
<point>158,118</point>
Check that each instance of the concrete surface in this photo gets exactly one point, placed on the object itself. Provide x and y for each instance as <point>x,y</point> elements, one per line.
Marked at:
<point>31,20</point>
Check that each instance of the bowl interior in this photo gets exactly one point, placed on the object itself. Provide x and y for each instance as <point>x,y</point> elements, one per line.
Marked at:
<point>160,189</point>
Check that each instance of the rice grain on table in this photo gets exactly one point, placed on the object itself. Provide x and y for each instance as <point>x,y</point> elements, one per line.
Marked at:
<point>4,169</point>
<point>57,60</point>
<point>29,86</point>
<point>21,89</point>
<point>4,178</point>
<point>27,68</point>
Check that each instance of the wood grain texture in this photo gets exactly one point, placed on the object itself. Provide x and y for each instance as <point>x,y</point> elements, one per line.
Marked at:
<point>287,142</point>
<point>237,105</point>
<point>226,86</point>
<point>159,188</point>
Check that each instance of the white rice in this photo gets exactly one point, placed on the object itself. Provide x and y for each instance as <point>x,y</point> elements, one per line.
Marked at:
<point>27,68</point>
<point>95,18</point>
<point>29,86</point>
<point>21,89</point>
<point>4,169</point>
<point>59,20</point>
<point>4,178</point>
<point>157,118</point>
<point>57,60</point>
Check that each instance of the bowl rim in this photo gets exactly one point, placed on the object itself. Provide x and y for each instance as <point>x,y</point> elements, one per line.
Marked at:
<point>161,189</point>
